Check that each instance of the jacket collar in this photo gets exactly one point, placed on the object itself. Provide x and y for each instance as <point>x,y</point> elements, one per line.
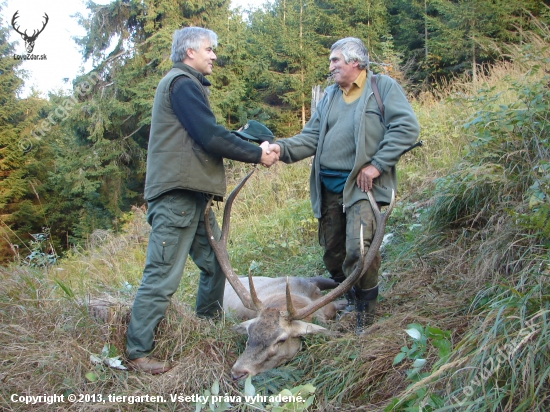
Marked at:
<point>190,70</point>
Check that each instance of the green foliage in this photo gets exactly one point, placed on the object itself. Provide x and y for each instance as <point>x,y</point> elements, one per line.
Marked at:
<point>484,209</point>
<point>42,252</point>
<point>442,38</point>
<point>85,164</point>
<point>505,168</point>
<point>421,336</point>
<point>275,380</point>
<point>108,357</point>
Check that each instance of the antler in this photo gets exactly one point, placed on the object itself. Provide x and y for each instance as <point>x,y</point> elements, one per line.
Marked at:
<point>249,299</point>
<point>360,269</point>
<point>34,33</point>
<point>15,16</point>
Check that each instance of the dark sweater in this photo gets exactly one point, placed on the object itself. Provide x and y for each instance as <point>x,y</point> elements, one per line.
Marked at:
<point>195,116</point>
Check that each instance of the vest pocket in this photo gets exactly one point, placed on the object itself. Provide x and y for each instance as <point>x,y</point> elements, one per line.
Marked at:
<point>183,207</point>
<point>162,248</point>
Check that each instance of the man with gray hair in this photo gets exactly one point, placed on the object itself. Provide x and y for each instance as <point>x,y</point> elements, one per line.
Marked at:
<point>357,142</point>
<point>184,168</point>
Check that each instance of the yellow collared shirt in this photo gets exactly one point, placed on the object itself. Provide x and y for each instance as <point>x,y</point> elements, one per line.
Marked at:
<point>356,88</point>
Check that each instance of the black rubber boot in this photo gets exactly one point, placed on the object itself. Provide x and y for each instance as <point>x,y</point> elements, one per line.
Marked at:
<point>349,295</point>
<point>365,307</point>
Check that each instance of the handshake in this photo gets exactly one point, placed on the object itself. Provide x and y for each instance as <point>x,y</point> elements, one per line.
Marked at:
<point>270,153</point>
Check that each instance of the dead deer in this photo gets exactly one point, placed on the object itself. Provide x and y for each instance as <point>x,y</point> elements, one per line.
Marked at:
<point>281,312</point>
<point>29,40</point>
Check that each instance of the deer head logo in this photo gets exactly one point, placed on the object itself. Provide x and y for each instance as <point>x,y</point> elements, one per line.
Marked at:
<point>29,40</point>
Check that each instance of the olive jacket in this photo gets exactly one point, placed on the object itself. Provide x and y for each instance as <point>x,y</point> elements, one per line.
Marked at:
<point>379,141</point>
<point>186,145</point>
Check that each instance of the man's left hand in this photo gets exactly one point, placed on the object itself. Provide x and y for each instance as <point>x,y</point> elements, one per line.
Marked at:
<point>366,176</point>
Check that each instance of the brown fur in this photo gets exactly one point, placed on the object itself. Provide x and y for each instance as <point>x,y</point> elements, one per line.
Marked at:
<point>272,338</point>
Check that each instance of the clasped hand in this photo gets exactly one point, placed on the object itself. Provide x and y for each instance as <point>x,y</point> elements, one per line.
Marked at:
<point>270,154</point>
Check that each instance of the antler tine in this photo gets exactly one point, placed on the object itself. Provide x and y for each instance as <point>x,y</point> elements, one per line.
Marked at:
<point>220,247</point>
<point>43,24</point>
<point>362,265</point>
<point>257,302</point>
<point>35,32</point>
<point>229,205</point>
<point>289,305</point>
<point>15,16</point>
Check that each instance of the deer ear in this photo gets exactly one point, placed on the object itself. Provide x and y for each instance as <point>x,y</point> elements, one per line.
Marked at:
<point>301,328</point>
<point>242,327</point>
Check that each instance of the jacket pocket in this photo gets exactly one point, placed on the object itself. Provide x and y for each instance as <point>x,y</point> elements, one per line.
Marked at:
<point>182,207</point>
<point>162,248</point>
<point>372,114</point>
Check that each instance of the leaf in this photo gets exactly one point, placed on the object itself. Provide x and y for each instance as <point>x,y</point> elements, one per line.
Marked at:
<point>398,358</point>
<point>419,363</point>
<point>309,388</point>
<point>215,387</point>
<point>94,359</point>
<point>249,389</point>
<point>391,405</point>
<point>105,351</point>
<point>92,377</point>
<point>413,333</point>
<point>114,363</point>
<point>432,332</point>
<point>443,345</point>
<point>285,393</point>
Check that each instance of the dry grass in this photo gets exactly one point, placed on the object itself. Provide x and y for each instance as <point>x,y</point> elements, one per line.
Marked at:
<point>49,331</point>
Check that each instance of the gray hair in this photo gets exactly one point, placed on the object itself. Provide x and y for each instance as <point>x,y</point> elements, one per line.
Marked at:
<point>352,49</point>
<point>190,38</point>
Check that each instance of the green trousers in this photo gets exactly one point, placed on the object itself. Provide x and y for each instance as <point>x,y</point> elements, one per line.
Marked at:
<point>340,239</point>
<point>178,230</point>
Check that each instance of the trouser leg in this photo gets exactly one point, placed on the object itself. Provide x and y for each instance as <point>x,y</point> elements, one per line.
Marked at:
<point>361,214</point>
<point>174,220</point>
<point>332,234</point>
<point>332,237</point>
<point>366,289</point>
<point>339,235</point>
<point>209,301</point>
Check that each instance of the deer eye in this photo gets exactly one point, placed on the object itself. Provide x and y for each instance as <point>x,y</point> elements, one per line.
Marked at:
<point>280,341</point>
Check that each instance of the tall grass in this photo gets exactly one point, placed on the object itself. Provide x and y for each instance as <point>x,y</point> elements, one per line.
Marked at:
<point>487,230</point>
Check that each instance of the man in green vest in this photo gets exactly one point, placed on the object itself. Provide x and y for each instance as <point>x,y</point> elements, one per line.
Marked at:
<point>184,168</point>
<point>357,142</point>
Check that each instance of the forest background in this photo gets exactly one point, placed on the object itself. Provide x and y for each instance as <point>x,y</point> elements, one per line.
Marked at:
<point>74,163</point>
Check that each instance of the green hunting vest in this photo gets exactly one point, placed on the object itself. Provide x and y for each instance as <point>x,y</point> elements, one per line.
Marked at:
<point>174,159</point>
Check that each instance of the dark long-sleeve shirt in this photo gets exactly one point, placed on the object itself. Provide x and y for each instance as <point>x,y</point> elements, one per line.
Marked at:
<point>194,114</point>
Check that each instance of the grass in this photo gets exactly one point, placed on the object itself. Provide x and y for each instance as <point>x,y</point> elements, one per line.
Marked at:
<point>469,255</point>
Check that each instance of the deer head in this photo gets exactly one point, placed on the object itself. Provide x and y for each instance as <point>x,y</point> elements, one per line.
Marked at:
<point>274,334</point>
<point>29,40</point>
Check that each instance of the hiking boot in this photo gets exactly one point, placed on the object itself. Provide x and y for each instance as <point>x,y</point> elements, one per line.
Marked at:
<point>365,307</point>
<point>149,365</point>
